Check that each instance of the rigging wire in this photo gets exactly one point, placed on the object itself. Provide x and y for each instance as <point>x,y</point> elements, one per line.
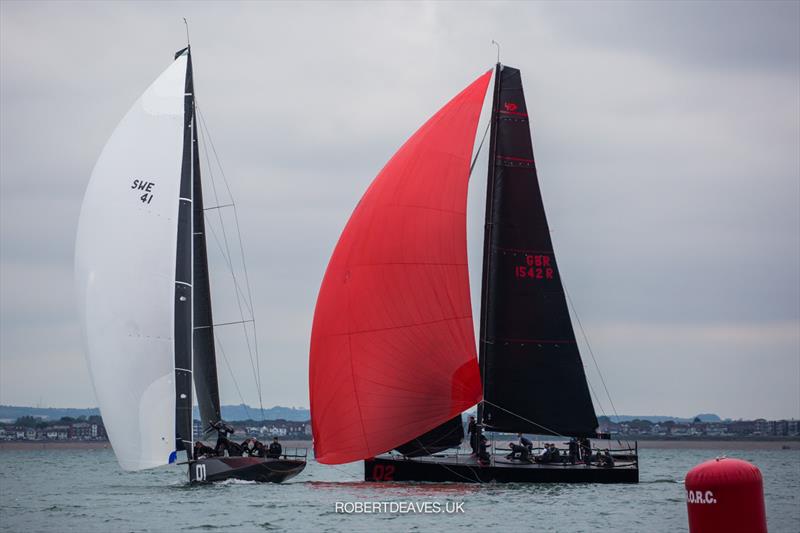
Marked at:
<point>595,396</point>
<point>551,431</point>
<point>591,352</point>
<point>243,321</point>
<point>219,214</point>
<point>233,377</point>
<point>475,159</point>
<point>477,477</point>
<point>241,251</point>
<point>248,302</point>
<point>589,346</point>
<point>229,260</point>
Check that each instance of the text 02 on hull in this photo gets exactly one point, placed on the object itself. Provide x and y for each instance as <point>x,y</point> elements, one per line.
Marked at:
<point>393,361</point>
<point>143,282</point>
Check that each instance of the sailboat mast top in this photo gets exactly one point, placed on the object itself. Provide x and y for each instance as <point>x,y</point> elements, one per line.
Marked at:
<point>186,23</point>
<point>493,42</point>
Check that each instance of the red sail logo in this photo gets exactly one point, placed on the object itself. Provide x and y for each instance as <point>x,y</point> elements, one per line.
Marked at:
<point>510,106</point>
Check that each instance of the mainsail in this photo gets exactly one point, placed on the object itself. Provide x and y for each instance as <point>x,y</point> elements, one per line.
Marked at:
<point>184,273</point>
<point>392,345</point>
<point>533,378</point>
<point>204,368</point>
<point>126,272</point>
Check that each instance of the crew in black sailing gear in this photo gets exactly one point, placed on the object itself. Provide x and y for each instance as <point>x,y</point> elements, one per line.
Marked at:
<point>555,454</point>
<point>525,442</point>
<point>252,448</point>
<point>201,451</point>
<point>605,460</point>
<point>519,452</point>
<point>585,446</point>
<point>549,454</point>
<point>275,449</point>
<point>573,450</point>
<point>482,445</point>
<point>223,444</point>
<point>472,429</point>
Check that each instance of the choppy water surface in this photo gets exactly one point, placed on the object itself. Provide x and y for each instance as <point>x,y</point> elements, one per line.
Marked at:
<point>84,490</point>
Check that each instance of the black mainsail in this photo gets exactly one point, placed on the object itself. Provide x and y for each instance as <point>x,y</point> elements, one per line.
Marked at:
<point>533,377</point>
<point>195,357</point>
<point>206,383</point>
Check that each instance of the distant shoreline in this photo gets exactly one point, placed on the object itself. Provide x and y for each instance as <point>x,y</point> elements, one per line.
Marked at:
<point>694,444</point>
<point>773,444</point>
<point>97,444</point>
<point>54,445</point>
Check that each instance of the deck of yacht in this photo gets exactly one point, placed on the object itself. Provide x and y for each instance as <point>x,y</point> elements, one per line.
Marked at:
<point>460,466</point>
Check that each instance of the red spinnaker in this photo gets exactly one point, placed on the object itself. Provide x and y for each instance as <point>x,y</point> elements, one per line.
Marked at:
<point>392,346</point>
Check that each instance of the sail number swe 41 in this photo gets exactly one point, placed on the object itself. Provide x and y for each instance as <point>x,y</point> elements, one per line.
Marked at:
<point>147,187</point>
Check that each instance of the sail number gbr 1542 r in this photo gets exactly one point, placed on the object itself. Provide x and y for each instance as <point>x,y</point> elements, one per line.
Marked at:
<point>145,187</point>
<point>536,266</point>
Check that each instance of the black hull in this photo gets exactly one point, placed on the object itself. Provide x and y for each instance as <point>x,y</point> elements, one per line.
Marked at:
<point>463,469</point>
<point>245,468</point>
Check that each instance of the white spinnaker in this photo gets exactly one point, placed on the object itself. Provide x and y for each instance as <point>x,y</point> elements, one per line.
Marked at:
<point>125,273</point>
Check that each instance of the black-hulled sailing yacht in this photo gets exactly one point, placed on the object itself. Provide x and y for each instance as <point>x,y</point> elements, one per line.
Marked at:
<point>144,290</point>
<point>393,359</point>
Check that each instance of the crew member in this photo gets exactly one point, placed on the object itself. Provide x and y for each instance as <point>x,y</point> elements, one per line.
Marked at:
<point>544,455</point>
<point>573,450</point>
<point>201,451</point>
<point>275,449</point>
<point>585,446</point>
<point>223,444</point>
<point>482,445</point>
<point>555,454</point>
<point>605,460</point>
<point>472,430</point>
<point>525,442</point>
<point>519,452</point>
<point>252,448</point>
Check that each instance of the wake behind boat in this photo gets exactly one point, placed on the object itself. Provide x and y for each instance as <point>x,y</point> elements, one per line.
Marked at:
<point>393,362</point>
<point>144,290</point>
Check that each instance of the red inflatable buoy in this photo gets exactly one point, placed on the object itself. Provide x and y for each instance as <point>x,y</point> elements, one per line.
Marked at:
<point>725,495</point>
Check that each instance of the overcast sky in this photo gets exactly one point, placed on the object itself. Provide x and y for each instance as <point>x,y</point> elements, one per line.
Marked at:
<point>666,137</point>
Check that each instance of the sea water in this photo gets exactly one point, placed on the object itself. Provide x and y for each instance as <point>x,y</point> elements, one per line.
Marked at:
<point>85,491</point>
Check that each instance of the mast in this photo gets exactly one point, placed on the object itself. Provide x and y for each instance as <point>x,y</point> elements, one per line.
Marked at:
<point>531,370</point>
<point>487,230</point>
<point>184,277</point>
<point>204,354</point>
